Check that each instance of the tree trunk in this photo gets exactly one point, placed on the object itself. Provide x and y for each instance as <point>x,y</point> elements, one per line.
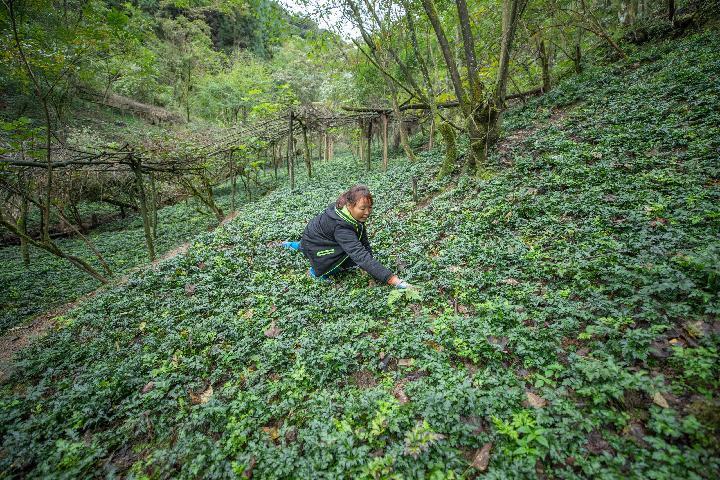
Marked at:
<point>577,60</point>
<point>385,141</point>
<point>22,226</point>
<point>291,167</point>
<point>404,141</point>
<point>142,199</point>
<point>671,11</point>
<point>448,135</point>
<point>543,57</point>
<point>431,135</point>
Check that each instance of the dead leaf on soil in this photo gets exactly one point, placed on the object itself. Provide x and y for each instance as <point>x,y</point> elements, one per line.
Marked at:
<point>659,400</point>
<point>500,342</point>
<point>596,444</point>
<point>510,281</point>
<point>535,401</point>
<point>434,345</point>
<point>204,397</point>
<point>482,458</point>
<point>406,362</point>
<point>399,393</point>
<point>272,432</point>
<point>148,386</point>
<point>273,331</point>
<point>190,289</point>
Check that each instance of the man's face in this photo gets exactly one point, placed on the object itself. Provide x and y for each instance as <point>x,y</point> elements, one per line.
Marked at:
<point>361,210</point>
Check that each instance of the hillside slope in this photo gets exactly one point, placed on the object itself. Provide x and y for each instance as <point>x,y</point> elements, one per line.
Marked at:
<point>566,318</point>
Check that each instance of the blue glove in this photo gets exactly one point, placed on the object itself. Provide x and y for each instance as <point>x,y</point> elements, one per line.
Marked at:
<point>291,245</point>
<point>402,285</point>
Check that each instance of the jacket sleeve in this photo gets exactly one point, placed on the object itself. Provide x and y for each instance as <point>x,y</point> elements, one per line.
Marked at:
<point>351,244</point>
<point>364,240</point>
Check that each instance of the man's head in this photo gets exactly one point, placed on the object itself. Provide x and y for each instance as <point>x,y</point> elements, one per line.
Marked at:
<point>359,202</point>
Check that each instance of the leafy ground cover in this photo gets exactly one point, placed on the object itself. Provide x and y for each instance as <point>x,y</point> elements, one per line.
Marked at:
<point>565,323</point>
<point>51,281</point>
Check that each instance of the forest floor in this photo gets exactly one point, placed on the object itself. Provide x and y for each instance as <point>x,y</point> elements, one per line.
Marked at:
<point>19,337</point>
<point>565,323</point>
<point>27,293</point>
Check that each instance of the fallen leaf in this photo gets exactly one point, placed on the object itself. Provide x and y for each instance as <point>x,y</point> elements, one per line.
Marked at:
<point>273,432</point>
<point>189,289</point>
<point>400,394</point>
<point>148,386</point>
<point>660,401</point>
<point>201,265</point>
<point>596,444</point>
<point>273,331</point>
<point>498,341</point>
<point>202,398</point>
<point>482,458</point>
<point>406,362</point>
<point>535,401</point>
<point>511,281</point>
<point>434,345</point>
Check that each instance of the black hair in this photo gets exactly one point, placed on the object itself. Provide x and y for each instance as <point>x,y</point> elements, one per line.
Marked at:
<point>353,195</point>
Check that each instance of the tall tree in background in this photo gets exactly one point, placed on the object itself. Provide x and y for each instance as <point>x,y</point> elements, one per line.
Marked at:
<point>188,54</point>
<point>480,106</point>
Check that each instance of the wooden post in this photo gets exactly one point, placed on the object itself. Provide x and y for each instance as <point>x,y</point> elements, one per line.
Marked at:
<point>369,143</point>
<point>361,142</point>
<point>291,166</point>
<point>233,181</point>
<point>306,150</point>
<point>154,204</point>
<point>331,147</point>
<point>275,158</point>
<point>325,146</point>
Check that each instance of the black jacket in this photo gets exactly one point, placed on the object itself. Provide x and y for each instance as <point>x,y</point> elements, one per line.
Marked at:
<point>334,240</point>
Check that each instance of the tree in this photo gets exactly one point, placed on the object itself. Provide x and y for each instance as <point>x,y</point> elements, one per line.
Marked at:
<point>187,53</point>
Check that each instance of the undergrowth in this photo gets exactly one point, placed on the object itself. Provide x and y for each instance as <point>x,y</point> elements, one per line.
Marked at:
<point>566,315</point>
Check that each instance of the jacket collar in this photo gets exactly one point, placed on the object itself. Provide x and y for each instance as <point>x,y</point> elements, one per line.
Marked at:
<point>345,214</point>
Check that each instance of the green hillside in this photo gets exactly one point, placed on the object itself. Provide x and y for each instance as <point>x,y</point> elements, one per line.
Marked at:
<point>566,315</point>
